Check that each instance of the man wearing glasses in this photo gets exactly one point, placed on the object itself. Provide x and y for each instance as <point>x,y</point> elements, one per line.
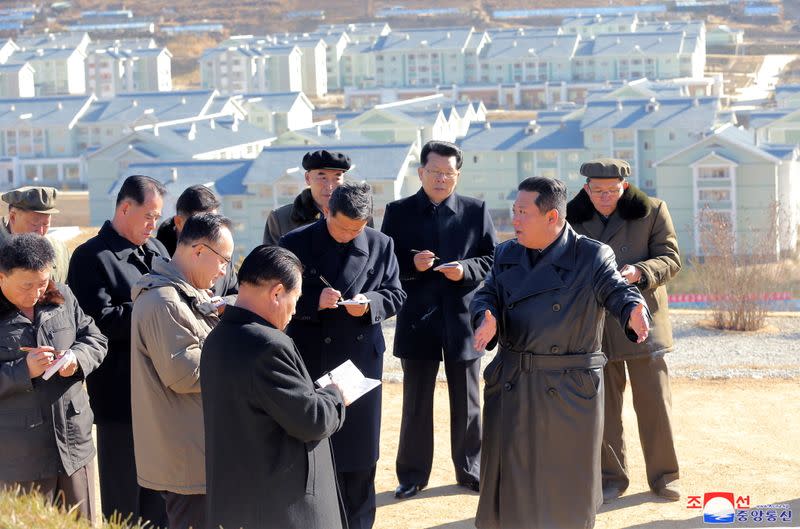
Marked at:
<point>324,172</point>
<point>639,229</point>
<point>444,244</point>
<point>194,200</point>
<point>172,315</point>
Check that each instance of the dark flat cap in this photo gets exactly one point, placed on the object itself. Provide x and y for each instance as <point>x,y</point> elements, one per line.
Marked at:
<point>30,198</point>
<point>326,160</point>
<point>606,168</point>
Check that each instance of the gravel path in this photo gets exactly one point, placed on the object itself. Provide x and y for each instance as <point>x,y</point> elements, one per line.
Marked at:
<point>702,353</point>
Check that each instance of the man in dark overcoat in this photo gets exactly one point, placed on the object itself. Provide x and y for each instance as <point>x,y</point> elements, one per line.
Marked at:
<point>102,272</point>
<point>359,264</point>
<point>639,229</point>
<point>436,226</point>
<point>268,459</point>
<point>544,302</point>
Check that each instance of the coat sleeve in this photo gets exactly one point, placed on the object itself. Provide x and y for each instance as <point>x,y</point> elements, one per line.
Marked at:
<point>664,259</point>
<point>487,298</point>
<point>613,292</point>
<point>279,387</point>
<point>172,345</point>
<point>476,268</point>
<point>393,227</point>
<point>272,229</point>
<point>388,298</point>
<point>90,346</point>
<point>14,377</point>
<point>89,282</point>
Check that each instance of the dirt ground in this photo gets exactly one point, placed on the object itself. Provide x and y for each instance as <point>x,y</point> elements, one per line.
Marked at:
<point>740,436</point>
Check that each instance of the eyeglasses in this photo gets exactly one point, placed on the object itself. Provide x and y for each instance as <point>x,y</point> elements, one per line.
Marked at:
<point>447,177</point>
<point>604,192</point>
<point>227,260</point>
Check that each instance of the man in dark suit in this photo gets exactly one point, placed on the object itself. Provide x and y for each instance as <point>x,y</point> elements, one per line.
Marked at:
<point>268,458</point>
<point>444,244</point>
<point>101,273</point>
<point>359,265</point>
<point>194,200</point>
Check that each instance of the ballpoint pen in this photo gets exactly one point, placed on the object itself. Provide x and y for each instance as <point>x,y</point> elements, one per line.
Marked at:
<point>327,284</point>
<point>418,251</point>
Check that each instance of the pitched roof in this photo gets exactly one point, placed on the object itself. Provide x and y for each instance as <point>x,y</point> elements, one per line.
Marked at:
<point>432,38</point>
<point>523,136</point>
<point>43,111</point>
<point>223,176</point>
<point>621,44</point>
<point>163,106</point>
<point>679,113</point>
<point>516,47</point>
<point>370,161</point>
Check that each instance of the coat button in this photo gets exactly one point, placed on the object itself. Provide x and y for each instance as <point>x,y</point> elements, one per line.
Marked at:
<point>511,306</point>
<point>623,249</point>
<point>360,337</point>
<point>552,392</point>
<point>556,307</point>
<point>554,349</point>
<point>327,339</point>
<point>507,386</point>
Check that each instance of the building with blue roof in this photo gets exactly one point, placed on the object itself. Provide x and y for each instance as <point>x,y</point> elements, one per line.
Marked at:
<point>498,155</point>
<point>56,70</point>
<point>727,175</point>
<point>196,139</point>
<point>589,26</point>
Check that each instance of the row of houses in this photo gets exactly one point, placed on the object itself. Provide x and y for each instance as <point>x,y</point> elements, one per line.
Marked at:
<point>72,64</point>
<point>370,55</point>
<point>690,151</point>
<point>48,139</point>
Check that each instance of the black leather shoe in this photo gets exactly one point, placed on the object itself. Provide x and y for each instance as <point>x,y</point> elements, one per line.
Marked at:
<point>473,485</point>
<point>612,492</point>
<point>408,490</point>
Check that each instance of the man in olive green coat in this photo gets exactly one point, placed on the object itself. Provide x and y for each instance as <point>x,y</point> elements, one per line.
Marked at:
<point>639,230</point>
<point>29,211</point>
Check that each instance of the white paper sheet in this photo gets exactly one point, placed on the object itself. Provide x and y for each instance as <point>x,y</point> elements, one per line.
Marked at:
<point>66,357</point>
<point>350,380</point>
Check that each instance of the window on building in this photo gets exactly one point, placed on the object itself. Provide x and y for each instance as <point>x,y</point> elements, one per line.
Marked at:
<point>713,173</point>
<point>714,195</point>
<point>475,159</point>
<point>237,205</point>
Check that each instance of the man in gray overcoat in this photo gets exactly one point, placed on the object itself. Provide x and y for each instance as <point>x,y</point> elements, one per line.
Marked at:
<point>544,302</point>
<point>639,229</point>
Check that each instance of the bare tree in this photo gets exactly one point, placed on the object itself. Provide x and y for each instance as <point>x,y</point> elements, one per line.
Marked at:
<point>738,273</point>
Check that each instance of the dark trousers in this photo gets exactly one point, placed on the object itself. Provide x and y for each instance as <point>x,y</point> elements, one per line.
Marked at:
<point>415,451</point>
<point>119,490</point>
<point>75,491</point>
<point>358,495</point>
<point>185,511</point>
<point>652,401</point>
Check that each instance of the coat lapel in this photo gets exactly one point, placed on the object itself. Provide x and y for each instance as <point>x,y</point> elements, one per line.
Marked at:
<point>594,227</point>
<point>522,281</point>
<point>356,262</point>
<point>615,223</point>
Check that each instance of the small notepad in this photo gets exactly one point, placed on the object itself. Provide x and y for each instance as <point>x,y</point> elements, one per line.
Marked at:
<point>350,380</point>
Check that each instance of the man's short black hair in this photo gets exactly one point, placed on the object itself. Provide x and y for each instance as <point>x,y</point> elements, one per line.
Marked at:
<point>136,187</point>
<point>204,227</point>
<point>552,193</point>
<point>271,263</point>
<point>442,148</point>
<point>196,199</point>
<point>353,200</point>
<point>28,251</point>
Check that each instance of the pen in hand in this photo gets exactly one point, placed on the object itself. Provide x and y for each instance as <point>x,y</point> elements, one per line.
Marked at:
<point>327,284</point>
<point>418,251</point>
